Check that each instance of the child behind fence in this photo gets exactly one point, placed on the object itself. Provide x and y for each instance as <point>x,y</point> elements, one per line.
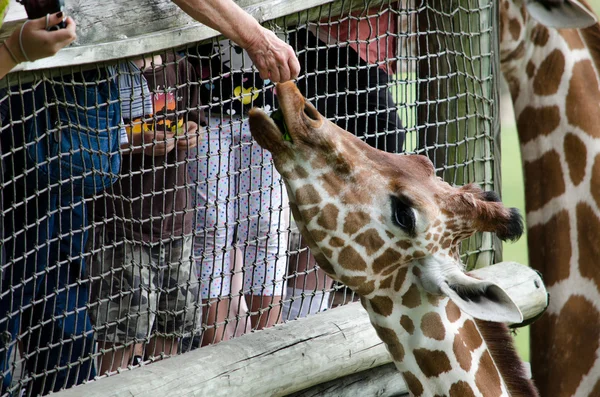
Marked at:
<point>238,198</point>
<point>145,285</point>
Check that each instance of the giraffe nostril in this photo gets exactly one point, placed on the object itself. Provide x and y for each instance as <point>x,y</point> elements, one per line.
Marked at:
<point>311,112</point>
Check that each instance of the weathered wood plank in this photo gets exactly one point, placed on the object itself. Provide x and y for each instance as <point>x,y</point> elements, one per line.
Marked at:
<point>273,362</point>
<point>115,29</point>
<point>383,381</point>
<point>290,357</point>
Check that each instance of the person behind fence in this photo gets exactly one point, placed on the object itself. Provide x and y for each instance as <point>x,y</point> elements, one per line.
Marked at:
<point>347,65</point>
<point>63,150</point>
<point>145,286</point>
<point>239,198</point>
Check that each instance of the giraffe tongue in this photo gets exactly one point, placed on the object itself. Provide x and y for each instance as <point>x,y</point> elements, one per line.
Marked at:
<point>277,117</point>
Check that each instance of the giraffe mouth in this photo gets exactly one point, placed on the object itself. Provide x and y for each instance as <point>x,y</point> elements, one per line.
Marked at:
<point>277,117</point>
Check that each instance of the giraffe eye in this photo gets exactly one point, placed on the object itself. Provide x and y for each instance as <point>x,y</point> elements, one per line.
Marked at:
<point>403,215</point>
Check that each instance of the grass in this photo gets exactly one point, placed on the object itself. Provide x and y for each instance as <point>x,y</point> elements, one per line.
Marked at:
<point>513,196</point>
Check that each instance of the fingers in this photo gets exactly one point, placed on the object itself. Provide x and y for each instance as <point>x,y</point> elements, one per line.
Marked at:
<point>54,19</point>
<point>67,35</point>
<point>294,66</point>
<point>274,58</point>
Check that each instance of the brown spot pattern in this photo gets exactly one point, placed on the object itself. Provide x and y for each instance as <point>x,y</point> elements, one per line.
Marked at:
<point>382,305</point>
<point>517,53</point>
<point>386,283</point>
<point>462,352</point>
<point>388,258</point>
<point>555,339</point>
<point>545,81</point>
<point>318,235</point>
<point>412,297</point>
<point>370,240</point>
<point>351,260</point>
<point>576,157</point>
<point>327,252</point>
<point>407,324</point>
<point>414,385</point>
<point>588,239</point>
<point>336,242</point>
<point>404,244</point>
<point>328,217</point>
<point>514,27</point>
<point>584,114</point>
<point>307,195</point>
<point>530,69</point>
<point>544,179</point>
<point>533,122</point>
<point>318,162</point>
<point>309,214</point>
<point>400,278</point>
<point>539,35</point>
<point>355,221</point>
<point>452,311</point>
<point>298,173</point>
<point>465,342</point>
<point>595,183</point>
<point>470,335</point>
<point>432,362</point>
<point>391,341</point>
<point>332,183</point>
<point>572,38</point>
<point>487,378</point>
<point>432,326</point>
<point>461,389</point>
<point>552,242</point>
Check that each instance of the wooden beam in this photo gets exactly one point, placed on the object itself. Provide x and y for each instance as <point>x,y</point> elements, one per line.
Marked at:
<point>383,381</point>
<point>294,356</point>
<point>114,29</point>
<point>273,362</point>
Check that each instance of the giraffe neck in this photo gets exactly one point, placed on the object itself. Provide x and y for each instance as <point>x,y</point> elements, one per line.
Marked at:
<point>558,120</point>
<point>439,350</point>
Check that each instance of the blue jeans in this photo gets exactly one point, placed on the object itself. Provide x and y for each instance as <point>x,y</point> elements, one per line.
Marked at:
<point>75,154</point>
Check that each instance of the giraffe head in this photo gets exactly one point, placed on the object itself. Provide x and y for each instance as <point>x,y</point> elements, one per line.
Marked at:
<point>367,214</point>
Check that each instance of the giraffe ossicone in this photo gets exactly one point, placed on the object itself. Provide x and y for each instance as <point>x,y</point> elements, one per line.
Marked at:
<point>387,227</point>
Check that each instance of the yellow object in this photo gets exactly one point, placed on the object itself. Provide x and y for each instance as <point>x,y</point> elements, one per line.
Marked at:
<point>178,128</point>
<point>247,94</point>
<point>3,10</point>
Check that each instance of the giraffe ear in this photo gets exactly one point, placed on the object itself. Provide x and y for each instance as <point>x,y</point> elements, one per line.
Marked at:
<point>567,14</point>
<point>481,299</point>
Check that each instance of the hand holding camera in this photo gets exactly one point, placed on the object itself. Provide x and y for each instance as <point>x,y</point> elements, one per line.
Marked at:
<point>43,8</point>
<point>45,32</point>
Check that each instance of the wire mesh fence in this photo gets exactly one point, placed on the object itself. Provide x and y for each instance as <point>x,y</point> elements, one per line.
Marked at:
<point>140,220</point>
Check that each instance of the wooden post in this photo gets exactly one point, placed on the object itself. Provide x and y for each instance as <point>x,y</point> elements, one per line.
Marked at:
<point>457,92</point>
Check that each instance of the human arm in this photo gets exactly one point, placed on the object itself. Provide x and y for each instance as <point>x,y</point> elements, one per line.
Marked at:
<point>37,42</point>
<point>274,59</point>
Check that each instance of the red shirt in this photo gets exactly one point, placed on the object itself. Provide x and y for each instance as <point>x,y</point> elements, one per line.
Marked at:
<point>373,35</point>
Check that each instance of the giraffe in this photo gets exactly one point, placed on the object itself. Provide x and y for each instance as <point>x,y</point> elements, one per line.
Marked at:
<point>553,79</point>
<point>388,228</point>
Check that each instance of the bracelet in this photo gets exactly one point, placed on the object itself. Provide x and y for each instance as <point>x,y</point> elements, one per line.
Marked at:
<point>12,55</point>
<point>21,41</point>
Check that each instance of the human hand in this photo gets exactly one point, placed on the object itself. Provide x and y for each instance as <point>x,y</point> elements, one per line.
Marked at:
<point>189,137</point>
<point>37,42</point>
<point>158,143</point>
<point>274,58</point>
